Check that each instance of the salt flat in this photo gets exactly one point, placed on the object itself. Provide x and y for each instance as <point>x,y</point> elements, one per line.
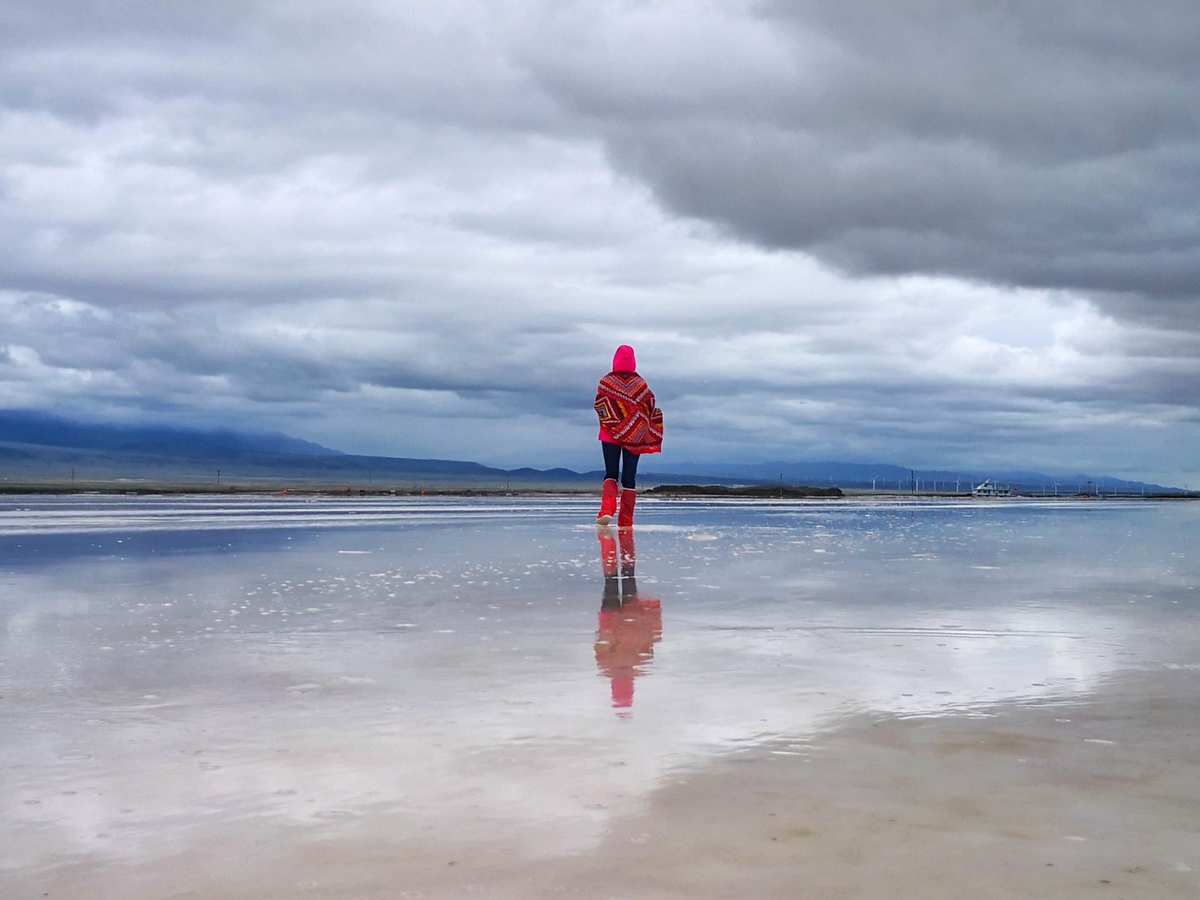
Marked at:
<point>445,698</point>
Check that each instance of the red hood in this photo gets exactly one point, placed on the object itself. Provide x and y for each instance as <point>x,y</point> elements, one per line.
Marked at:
<point>624,359</point>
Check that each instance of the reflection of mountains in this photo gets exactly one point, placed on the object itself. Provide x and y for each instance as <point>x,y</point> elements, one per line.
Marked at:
<point>54,547</point>
<point>98,514</point>
<point>630,624</point>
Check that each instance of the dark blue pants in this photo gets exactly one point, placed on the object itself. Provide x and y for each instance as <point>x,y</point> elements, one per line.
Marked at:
<point>620,464</point>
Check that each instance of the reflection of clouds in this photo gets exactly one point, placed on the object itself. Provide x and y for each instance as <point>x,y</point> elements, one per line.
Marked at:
<point>325,762</point>
<point>490,710</point>
<point>795,681</point>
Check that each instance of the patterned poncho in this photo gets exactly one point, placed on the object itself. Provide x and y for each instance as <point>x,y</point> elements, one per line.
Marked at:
<point>628,416</point>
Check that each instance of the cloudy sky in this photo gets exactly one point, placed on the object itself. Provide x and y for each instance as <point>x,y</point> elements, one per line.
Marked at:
<point>929,233</point>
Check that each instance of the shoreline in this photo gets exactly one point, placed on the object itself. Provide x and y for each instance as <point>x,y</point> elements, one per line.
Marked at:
<point>663,492</point>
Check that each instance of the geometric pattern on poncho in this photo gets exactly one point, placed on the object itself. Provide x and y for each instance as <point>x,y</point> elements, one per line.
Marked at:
<point>625,405</point>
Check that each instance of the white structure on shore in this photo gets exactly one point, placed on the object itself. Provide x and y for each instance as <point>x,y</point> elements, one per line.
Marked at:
<point>989,488</point>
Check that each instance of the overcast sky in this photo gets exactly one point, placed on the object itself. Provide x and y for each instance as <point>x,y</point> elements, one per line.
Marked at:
<point>929,233</point>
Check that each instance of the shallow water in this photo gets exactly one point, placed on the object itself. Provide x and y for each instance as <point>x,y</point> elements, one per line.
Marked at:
<point>171,668</point>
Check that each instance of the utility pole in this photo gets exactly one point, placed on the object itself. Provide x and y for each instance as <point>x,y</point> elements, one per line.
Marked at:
<point>218,476</point>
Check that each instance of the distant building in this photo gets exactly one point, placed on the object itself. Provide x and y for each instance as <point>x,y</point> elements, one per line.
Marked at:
<point>989,488</point>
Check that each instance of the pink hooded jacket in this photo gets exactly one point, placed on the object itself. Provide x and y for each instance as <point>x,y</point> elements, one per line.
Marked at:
<point>625,363</point>
<point>624,360</point>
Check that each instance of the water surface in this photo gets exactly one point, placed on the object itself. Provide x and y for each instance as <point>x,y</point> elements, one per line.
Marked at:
<point>170,668</point>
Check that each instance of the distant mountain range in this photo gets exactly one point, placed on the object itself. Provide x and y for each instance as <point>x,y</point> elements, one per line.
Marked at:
<point>38,447</point>
<point>44,430</point>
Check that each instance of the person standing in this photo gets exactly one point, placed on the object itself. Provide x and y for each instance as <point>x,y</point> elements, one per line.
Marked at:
<point>631,425</point>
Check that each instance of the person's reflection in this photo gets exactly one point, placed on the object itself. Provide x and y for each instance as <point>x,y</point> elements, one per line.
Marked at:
<point>630,625</point>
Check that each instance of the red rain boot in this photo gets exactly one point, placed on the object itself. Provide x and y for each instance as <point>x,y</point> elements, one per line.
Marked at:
<point>608,502</point>
<point>628,502</point>
<point>628,554</point>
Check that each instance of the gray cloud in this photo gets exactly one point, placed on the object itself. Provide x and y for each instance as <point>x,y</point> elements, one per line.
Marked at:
<point>1025,144</point>
<point>935,235</point>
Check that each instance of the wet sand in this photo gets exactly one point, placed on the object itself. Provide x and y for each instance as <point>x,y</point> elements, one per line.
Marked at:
<point>1097,799</point>
<point>880,702</point>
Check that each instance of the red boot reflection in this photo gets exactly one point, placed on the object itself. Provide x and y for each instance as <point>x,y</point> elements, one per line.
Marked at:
<point>630,625</point>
